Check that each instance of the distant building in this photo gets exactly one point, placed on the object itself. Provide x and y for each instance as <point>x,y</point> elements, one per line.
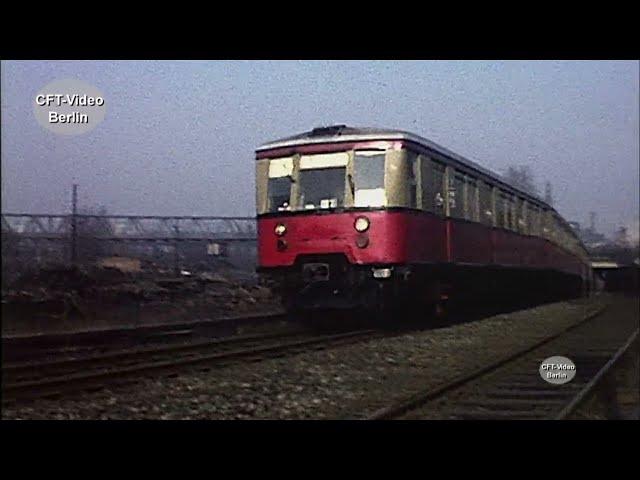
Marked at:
<point>589,236</point>
<point>622,237</point>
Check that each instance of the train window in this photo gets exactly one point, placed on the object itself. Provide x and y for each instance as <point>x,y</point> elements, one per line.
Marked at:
<point>500,211</point>
<point>555,229</point>
<point>538,222</point>
<point>456,197</point>
<point>432,181</point>
<point>486,212</point>
<point>512,223</point>
<point>532,220</point>
<point>506,211</point>
<point>472,199</point>
<point>561,231</point>
<point>546,224</point>
<point>280,167</point>
<point>279,184</point>
<point>369,170</point>
<point>503,211</point>
<point>521,216</point>
<point>368,182</point>
<point>322,187</point>
<point>565,235</point>
<point>413,181</point>
<point>279,194</point>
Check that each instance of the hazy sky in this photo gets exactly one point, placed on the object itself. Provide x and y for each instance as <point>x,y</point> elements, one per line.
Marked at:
<point>179,137</point>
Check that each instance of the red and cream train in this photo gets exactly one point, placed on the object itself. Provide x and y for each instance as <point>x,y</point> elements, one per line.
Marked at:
<point>374,218</point>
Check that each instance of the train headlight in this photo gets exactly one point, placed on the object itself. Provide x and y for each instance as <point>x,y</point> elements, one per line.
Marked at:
<point>361,224</point>
<point>280,229</point>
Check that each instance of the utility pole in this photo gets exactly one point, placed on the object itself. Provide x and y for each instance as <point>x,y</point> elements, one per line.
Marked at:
<point>74,225</point>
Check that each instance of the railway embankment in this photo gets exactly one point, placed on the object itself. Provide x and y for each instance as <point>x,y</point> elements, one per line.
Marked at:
<point>71,299</point>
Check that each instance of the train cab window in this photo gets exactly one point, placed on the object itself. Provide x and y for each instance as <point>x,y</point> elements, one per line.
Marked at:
<point>368,179</point>
<point>322,180</point>
<point>279,184</point>
<point>456,197</point>
<point>279,191</point>
<point>432,174</point>
<point>486,212</point>
<point>322,188</point>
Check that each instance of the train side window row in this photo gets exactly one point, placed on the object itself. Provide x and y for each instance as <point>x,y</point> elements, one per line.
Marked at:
<point>473,199</point>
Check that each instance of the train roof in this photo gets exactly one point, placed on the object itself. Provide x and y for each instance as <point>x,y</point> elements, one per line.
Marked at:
<point>343,133</point>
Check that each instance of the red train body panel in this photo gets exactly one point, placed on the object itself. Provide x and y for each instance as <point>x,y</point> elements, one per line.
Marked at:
<point>334,233</point>
<point>406,237</point>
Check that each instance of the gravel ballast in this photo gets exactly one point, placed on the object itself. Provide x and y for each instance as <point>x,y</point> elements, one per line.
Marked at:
<point>347,382</point>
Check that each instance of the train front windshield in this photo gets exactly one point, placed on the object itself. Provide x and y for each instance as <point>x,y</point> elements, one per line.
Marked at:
<point>327,181</point>
<point>322,188</point>
<point>369,179</point>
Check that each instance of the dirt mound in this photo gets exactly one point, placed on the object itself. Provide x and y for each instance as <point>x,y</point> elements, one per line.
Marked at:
<point>64,297</point>
<point>53,278</point>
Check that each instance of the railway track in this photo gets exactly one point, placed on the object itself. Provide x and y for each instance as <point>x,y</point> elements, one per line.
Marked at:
<point>30,380</point>
<point>512,388</point>
<point>17,348</point>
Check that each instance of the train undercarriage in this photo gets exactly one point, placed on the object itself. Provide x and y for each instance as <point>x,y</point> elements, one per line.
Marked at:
<point>403,292</point>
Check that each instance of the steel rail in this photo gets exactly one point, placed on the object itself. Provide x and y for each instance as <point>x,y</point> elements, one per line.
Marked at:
<point>75,382</point>
<point>41,341</point>
<point>595,381</point>
<point>420,398</point>
<point>20,368</point>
